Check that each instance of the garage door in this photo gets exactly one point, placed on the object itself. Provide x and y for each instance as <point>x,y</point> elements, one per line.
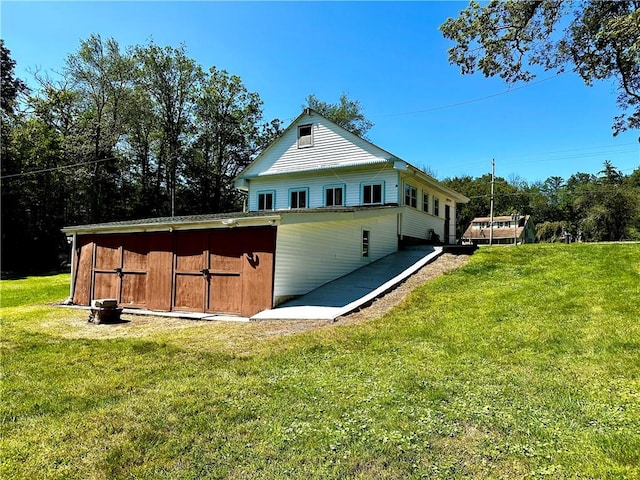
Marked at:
<point>216,270</point>
<point>220,271</point>
<point>120,270</point>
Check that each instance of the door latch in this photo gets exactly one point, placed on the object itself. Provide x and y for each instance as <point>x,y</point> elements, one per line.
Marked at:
<point>205,272</point>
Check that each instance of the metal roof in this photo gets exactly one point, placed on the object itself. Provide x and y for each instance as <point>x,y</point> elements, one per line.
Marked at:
<point>232,219</point>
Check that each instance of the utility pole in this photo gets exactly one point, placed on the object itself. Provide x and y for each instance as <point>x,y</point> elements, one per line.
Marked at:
<point>493,178</point>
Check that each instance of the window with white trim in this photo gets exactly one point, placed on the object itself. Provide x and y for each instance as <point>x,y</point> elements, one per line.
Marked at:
<point>372,194</point>
<point>436,206</point>
<point>298,198</point>
<point>305,136</point>
<point>266,200</point>
<point>410,195</point>
<point>425,202</point>
<point>334,196</point>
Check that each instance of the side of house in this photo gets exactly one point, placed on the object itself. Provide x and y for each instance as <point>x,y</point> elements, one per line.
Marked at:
<point>318,164</point>
<point>320,203</point>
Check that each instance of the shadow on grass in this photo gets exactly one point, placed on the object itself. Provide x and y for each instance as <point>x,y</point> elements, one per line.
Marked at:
<point>24,275</point>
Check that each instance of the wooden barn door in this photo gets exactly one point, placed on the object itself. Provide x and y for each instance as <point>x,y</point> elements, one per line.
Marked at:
<point>226,252</point>
<point>190,275</point>
<point>107,266</point>
<point>120,269</point>
<point>224,270</point>
<point>133,277</point>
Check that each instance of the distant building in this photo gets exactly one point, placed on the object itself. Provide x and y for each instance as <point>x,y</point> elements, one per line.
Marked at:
<point>507,229</point>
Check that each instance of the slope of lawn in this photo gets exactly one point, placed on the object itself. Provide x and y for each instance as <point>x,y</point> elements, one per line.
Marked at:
<point>525,363</point>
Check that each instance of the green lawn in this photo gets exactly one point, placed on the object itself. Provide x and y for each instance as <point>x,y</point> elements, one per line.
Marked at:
<point>525,363</point>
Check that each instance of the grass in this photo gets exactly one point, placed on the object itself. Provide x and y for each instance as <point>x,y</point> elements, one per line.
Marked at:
<point>522,364</point>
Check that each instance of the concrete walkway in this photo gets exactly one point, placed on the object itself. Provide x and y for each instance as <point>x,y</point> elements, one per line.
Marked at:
<point>355,289</point>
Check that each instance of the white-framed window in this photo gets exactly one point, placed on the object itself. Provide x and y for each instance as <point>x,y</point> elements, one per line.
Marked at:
<point>372,193</point>
<point>436,206</point>
<point>410,195</point>
<point>298,197</point>
<point>425,202</point>
<point>366,235</point>
<point>266,200</point>
<point>305,136</point>
<point>334,195</point>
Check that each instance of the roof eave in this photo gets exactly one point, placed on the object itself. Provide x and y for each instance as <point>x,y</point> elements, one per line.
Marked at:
<point>170,226</point>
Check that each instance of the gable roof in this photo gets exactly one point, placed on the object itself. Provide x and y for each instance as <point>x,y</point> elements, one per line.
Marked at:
<point>343,149</point>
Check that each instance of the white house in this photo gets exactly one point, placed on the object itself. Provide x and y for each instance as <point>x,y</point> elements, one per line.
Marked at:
<point>321,202</point>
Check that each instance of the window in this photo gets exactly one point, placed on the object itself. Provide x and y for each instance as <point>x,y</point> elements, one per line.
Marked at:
<point>425,202</point>
<point>436,206</point>
<point>372,194</point>
<point>298,198</point>
<point>410,196</point>
<point>266,200</point>
<point>334,196</point>
<point>365,243</point>
<point>305,136</point>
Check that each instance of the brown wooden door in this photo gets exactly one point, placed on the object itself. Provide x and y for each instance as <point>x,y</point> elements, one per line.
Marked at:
<point>226,252</point>
<point>258,273</point>
<point>190,271</point>
<point>120,269</point>
<point>133,277</point>
<point>107,267</point>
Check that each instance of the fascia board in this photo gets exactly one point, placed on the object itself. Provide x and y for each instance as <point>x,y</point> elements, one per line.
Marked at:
<point>271,220</point>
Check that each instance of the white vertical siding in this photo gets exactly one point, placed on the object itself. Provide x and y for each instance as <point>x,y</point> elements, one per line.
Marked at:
<point>313,253</point>
<point>352,180</point>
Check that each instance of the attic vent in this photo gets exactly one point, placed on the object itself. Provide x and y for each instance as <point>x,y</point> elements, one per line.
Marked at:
<point>305,136</point>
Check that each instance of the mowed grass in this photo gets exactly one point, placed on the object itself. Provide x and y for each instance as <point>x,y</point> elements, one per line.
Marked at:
<point>525,363</point>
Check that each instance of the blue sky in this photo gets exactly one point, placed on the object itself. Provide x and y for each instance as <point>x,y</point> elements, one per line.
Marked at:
<point>389,56</point>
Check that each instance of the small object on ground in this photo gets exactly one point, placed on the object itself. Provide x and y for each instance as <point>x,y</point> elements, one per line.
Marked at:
<point>104,310</point>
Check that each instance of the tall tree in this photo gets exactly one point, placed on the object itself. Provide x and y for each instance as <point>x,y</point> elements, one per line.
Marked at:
<point>10,86</point>
<point>171,78</point>
<point>100,73</point>
<point>228,118</point>
<point>598,39</point>
<point>346,113</point>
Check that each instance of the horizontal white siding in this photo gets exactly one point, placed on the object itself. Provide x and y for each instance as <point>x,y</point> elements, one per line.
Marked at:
<point>311,254</point>
<point>417,224</point>
<point>352,180</point>
<point>332,146</point>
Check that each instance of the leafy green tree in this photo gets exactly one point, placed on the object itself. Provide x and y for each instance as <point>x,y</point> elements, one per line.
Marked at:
<point>11,87</point>
<point>346,113</point>
<point>599,40</point>
<point>550,231</point>
<point>101,76</point>
<point>229,127</point>
<point>604,207</point>
<point>171,79</point>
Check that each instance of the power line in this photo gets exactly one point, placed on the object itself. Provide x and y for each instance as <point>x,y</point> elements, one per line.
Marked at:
<point>61,167</point>
<point>545,194</point>
<point>473,100</point>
